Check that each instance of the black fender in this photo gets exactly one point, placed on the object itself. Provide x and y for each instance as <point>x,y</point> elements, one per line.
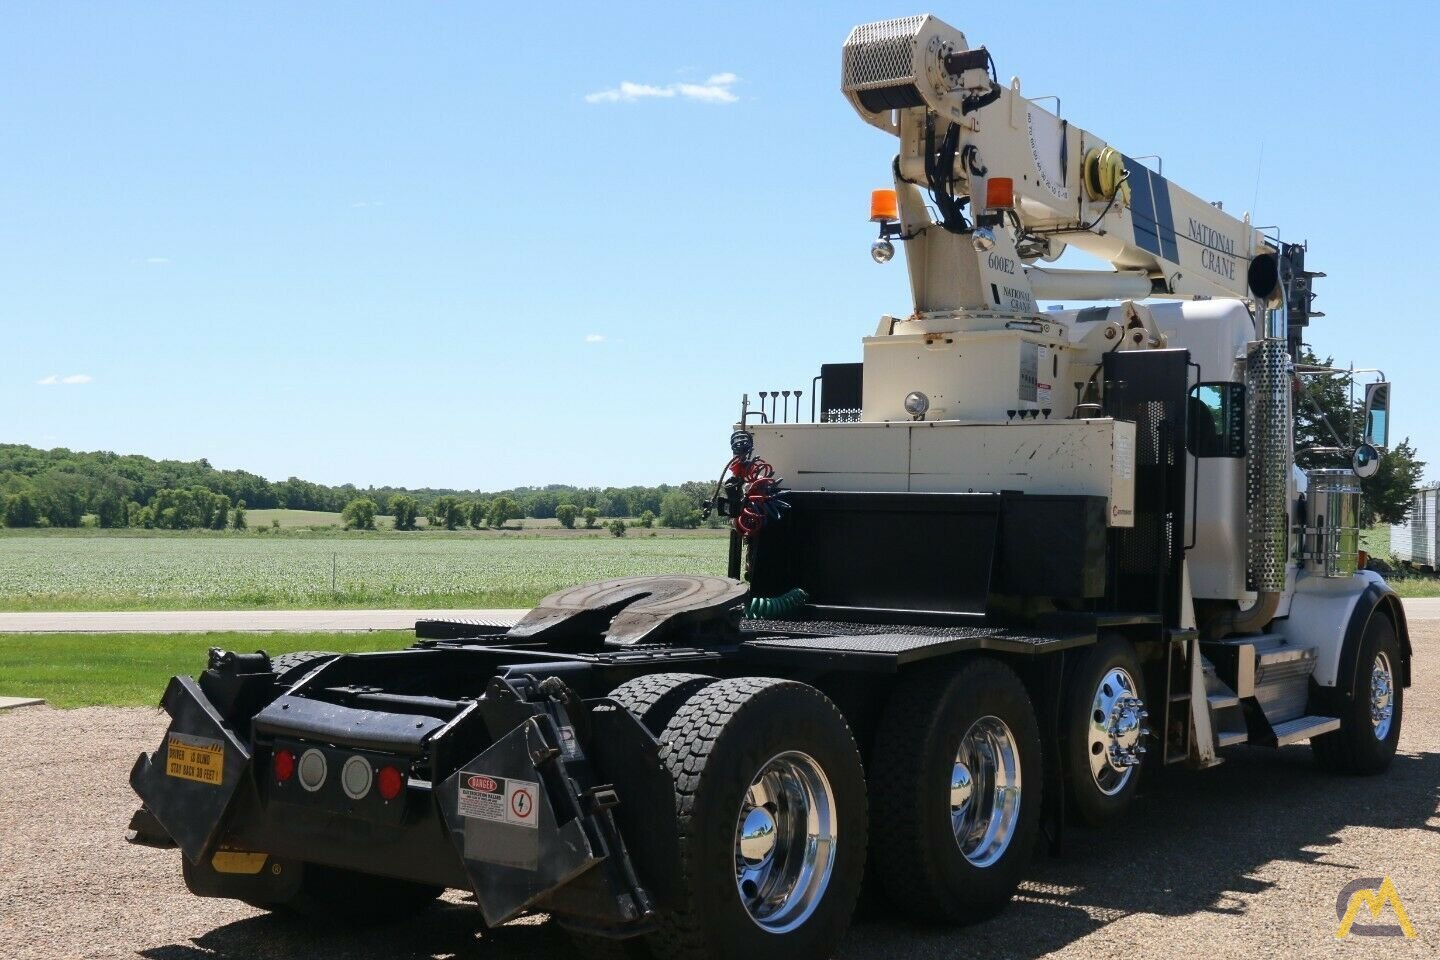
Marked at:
<point>1377,600</point>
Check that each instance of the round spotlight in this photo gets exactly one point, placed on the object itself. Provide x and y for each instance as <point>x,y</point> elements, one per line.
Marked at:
<point>917,404</point>
<point>312,769</point>
<point>881,251</point>
<point>356,777</point>
<point>983,239</point>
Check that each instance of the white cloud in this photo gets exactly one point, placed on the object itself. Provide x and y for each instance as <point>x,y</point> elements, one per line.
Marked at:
<point>594,338</point>
<point>157,260</point>
<point>55,380</point>
<point>716,89</point>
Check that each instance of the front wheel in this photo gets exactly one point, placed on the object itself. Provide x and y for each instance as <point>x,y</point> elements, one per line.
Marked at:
<point>770,803</point>
<point>955,791</point>
<point>1105,731</point>
<point>1370,719</point>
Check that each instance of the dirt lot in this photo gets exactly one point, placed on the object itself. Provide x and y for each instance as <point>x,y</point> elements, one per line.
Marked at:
<point>1242,861</point>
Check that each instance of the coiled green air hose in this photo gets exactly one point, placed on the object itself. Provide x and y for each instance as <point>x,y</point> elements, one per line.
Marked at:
<point>773,608</point>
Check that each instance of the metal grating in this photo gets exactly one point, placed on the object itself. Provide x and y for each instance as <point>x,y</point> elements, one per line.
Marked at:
<point>895,644</point>
<point>881,54</point>
<point>1267,465</point>
<point>820,628</point>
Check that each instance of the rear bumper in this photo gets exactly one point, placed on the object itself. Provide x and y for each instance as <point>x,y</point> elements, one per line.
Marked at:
<point>529,822</point>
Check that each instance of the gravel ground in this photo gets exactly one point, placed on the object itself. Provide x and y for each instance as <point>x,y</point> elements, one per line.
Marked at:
<point>1245,860</point>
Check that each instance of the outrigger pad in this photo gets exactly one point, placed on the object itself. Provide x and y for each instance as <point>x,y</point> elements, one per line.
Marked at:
<point>632,610</point>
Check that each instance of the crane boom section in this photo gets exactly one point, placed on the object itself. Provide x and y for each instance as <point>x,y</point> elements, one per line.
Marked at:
<point>969,140</point>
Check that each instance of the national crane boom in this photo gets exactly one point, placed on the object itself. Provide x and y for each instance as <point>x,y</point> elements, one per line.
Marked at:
<point>1034,183</point>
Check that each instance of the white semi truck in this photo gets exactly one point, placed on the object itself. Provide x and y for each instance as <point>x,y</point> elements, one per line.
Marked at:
<point>1019,558</point>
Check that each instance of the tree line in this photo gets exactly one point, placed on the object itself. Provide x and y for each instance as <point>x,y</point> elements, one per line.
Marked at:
<point>62,488</point>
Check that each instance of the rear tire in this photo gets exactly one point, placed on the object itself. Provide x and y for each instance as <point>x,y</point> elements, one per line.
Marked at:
<point>938,856</point>
<point>1370,719</point>
<point>654,699</point>
<point>290,667</point>
<point>770,802</point>
<point>657,697</point>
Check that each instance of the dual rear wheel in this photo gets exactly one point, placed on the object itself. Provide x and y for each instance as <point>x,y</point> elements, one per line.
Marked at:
<point>770,813</point>
<point>771,801</point>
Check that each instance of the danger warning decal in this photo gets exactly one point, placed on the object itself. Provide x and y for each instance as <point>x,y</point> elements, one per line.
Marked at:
<point>499,799</point>
<point>201,759</point>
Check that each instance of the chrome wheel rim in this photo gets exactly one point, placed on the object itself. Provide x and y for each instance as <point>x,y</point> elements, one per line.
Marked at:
<point>1382,696</point>
<point>1116,731</point>
<point>785,838</point>
<point>985,791</point>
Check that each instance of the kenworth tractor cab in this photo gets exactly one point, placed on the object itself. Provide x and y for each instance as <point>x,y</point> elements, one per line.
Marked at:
<point>1018,559</point>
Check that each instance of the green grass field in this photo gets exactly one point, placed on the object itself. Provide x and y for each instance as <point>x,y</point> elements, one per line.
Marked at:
<point>296,519</point>
<point>131,669</point>
<point>125,570</point>
<point>113,571</point>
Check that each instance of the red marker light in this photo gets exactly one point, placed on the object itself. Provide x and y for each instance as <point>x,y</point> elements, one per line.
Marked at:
<point>284,765</point>
<point>389,782</point>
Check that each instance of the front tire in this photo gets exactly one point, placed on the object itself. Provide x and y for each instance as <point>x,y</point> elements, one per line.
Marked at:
<point>955,785</point>
<point>1370,720</point>
<point>770,803</point>
<point>1105,731</point>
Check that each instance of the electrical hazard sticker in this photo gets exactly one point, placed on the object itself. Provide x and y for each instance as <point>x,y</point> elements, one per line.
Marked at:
<point>201,759</point>
<point>499,799</point>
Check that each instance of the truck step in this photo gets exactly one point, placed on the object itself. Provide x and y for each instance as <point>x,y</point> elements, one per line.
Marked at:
<point>1229,738</point>
<point>1303,728</point>
<point>1219,701</point>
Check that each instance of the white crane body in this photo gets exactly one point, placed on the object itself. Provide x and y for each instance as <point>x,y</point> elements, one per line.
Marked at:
<point>978,389</point>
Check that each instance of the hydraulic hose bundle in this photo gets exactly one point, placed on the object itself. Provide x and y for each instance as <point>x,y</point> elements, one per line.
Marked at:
<point>759,494</point>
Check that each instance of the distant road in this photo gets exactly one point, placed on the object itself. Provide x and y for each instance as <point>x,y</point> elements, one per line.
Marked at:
<point>1423,608</point>
<point>259,621</point>
<point>304,621</point>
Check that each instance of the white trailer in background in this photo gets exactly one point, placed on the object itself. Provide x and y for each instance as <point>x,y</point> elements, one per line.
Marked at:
<point>1417,539</point>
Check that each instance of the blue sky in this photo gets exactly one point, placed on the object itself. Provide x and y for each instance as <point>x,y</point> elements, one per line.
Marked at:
<point>442,245</point>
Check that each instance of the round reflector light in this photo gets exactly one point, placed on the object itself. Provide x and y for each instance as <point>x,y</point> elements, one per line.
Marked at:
<point>356,777</point>
<point>284,765</point>
<point>390,782</point>
<point>312,769</point>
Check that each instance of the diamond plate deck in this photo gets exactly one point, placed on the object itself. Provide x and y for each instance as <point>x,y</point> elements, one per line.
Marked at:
<point>888,646</point>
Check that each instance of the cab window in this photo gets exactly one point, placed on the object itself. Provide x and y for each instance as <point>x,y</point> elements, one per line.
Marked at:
<point>1217,420</point>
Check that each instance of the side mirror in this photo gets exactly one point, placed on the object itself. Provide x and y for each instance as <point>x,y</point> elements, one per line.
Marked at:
<point>1377,414</point>
<point>1366,461</point>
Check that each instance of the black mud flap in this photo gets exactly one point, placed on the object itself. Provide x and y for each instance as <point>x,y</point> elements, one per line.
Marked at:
<point>515,817</point>
<point>189,783</point>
